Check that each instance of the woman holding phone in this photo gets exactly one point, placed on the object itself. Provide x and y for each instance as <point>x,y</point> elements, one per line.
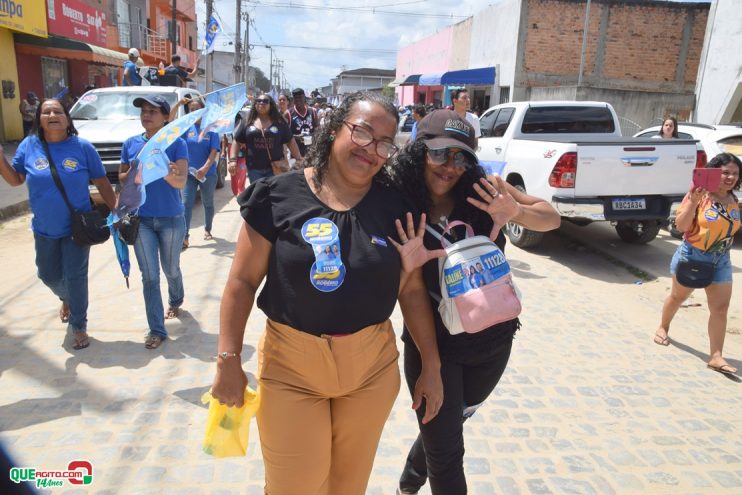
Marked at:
<point>708,220</point>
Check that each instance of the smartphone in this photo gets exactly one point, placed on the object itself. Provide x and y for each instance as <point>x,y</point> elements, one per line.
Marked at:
<point>707,178</point>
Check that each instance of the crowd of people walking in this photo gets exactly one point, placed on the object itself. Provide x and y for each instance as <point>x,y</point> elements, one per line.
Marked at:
<point>357,219</point>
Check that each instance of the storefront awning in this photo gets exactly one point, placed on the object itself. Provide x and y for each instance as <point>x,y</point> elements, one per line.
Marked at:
<point>54,46</point>
<point>430,79</point>
<point>411,80</point>
<point>396,82</point>
<point>484,76</point>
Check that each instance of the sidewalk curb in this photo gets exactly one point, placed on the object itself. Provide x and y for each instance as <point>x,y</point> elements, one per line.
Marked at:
<point>14,210</point>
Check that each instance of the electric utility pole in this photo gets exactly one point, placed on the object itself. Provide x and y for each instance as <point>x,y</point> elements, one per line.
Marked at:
<point>246,60</point>
<point>173,37</point>
<point>270,77</point>
<point>210,56</point>
<point>237,45</point>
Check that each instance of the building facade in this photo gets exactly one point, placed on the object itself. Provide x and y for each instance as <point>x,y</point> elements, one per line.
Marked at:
<point>350,81</point>
<point>642,56</point>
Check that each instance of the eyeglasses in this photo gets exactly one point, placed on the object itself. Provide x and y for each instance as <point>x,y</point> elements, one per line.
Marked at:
<point>362,137</point>
<point>460,158</point>
<point>262,100</point>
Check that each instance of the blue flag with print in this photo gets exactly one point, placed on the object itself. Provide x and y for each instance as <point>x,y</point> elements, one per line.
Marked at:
<point>221,109</point>
<point>212,29</point>
<point>151,164</point>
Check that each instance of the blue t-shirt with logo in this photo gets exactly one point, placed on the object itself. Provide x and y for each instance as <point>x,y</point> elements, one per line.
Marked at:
<point>136,79</point>
<point>163,200</point>
<point>198,151</point>
<point>77,163</point>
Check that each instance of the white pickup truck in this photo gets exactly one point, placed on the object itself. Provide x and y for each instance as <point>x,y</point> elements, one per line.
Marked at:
<point>571,154</point>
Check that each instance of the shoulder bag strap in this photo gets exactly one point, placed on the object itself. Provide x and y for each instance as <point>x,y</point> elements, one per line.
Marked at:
<point>267,148</point>
<point>55,175</point>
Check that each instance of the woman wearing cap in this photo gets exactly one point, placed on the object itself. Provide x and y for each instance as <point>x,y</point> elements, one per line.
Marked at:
<point>62,264</point>
<point>439,172</point>
<point>263,135</point>
<point>327,365</point>
<point>202,153</point>
<point>162,226</point>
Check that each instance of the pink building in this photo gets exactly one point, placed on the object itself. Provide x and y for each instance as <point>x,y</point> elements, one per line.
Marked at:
<point>431,55</point>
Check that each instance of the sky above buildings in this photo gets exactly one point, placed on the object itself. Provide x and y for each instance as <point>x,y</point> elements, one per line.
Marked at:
<point>317,39</point>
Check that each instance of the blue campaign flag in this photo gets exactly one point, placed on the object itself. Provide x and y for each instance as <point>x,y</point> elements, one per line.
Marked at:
<point>62,93</point>
<point>221,109</point>
<point>151,164</point>
<point>212,29</point>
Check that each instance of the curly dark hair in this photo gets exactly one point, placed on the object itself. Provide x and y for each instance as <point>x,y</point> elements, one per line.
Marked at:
<point>318,155</point>
<point>725,159</point>
<point>38,131</point>
<point>407,173</point>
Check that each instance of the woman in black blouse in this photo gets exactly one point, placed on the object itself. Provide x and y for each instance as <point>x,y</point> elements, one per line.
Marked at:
<point>440,173</point>
<point>327,362</point>
<point>263,135</point>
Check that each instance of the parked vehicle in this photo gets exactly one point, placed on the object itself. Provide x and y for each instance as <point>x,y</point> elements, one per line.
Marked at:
<point>571,154</point>
<point>712,140</point>
<point>107,117</point>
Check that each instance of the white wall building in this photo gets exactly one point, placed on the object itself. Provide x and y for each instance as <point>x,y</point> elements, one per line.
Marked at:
<point>350,81</point>
<point>719,82</point>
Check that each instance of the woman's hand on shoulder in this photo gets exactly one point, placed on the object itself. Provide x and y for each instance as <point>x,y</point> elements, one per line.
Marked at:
<point>411,248</point>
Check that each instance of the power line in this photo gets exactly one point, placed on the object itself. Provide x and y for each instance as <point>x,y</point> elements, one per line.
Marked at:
<point>329,48</point>
<point>372,10</point>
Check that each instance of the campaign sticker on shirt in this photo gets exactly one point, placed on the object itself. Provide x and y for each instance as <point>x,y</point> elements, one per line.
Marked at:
<point>41,164</point>
<point>326,281</point>
<point>734,213</point>
<point>273,129</point>
<point>192,134</point>
<point>711,215</point>
<point>327,272</point>
<point>70,164</point>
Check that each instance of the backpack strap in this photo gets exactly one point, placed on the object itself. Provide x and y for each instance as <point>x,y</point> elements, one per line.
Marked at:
<point>444,242</point>
<point>455,223</point>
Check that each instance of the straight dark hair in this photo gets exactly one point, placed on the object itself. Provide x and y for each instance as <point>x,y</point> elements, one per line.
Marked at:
<point>38,131</point>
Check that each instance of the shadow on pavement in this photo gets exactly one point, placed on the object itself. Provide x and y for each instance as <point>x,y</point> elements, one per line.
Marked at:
<point>704,357</point>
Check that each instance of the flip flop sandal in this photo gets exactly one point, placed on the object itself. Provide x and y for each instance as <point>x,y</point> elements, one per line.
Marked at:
<point>660,340</point>
<point>724,369</point>
<point>153,341</point>
<point>64,313</point>
<point>172,313</point>
<point>81,340</point>
<point>208,236</point>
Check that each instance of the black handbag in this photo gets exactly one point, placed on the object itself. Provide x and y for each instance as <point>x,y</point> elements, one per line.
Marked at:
<point>695,274</point>
<point>88,228</point>
<point>128,228</point>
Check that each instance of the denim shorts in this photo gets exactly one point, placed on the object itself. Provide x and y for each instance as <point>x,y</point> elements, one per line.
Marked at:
<point>722,262</point>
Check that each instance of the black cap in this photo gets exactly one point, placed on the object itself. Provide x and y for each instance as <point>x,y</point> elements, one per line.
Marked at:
<point>297,91</point>
<point>443,129</point>
<point>154,100</point>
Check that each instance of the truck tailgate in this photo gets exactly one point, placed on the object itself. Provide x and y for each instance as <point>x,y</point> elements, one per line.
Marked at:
<point>634,167</point>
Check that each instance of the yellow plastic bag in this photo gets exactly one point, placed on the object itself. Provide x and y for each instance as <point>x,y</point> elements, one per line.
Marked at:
<point>228,428</point>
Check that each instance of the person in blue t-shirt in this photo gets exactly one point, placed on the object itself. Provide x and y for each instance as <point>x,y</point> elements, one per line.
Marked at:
<point>202,154</point>
<point>183,76</point>
<point>131,71</point>
<point>162,226</point>
<point>62,264</point>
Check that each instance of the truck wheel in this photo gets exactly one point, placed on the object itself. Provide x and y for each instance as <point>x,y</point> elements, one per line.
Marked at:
<point>519,236</point>
<point>673,230</point>
<point>221,173</point>
<point>637,232</point>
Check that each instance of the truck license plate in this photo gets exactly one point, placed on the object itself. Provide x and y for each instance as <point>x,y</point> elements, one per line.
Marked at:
<point>629,204</point>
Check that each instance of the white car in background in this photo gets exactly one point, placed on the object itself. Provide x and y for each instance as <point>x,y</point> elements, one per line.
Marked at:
<point>714,139</point>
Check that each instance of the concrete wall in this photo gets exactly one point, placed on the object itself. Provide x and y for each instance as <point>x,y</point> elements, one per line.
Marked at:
<point>461,44</point>
<point>351,84</point>
<point>720,71</point>
<point>642,107</point>
<point>11,125</point>
<point>494,39</point>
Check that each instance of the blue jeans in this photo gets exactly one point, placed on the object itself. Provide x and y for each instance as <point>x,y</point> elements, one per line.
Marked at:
<point>63,267</point>
<point>160,239</point>
<point>207,198</point>
<point>258,173</point>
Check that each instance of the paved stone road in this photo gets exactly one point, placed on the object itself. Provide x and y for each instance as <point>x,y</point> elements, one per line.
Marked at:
<point>588,404</point>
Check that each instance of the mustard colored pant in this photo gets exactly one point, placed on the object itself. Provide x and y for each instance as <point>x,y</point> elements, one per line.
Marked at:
<point>324,402</point>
